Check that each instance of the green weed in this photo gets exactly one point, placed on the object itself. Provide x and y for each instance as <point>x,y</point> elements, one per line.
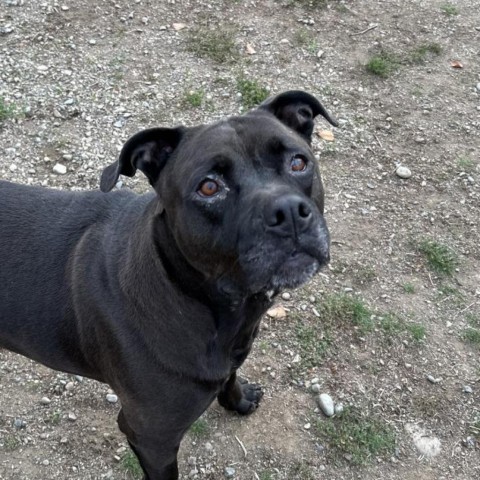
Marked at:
<point>440,258</point>
<point>356,437</point>
<point>193,98</point>
<point>7,110</point>
<point>199,428</point>
<point>449,9</point>
<point>252,92</point>
<point>217,44</point>
<point>130,464</point>
<point>382,64</point>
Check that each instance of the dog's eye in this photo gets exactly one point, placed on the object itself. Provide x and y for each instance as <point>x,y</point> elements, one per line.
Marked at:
<point>298,163</point>
<point>208,188</point>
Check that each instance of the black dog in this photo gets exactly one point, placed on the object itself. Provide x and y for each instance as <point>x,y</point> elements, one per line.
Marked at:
<point>161,295</point>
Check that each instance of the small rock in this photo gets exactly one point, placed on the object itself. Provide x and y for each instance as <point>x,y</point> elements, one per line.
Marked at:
<point>338,408</point>
<point>111,398</point>
<point>432,379</point>
<point>469,442</point>
<point>92,42</point>
<point>468,389</point>
<point>60,169</point>
<point>18,423</point>
<point>178,26</point>
<point>307,426</point>
<point>69,386</point>
<point>320,53</point>
<point>403,172</point>
<point>208,447</point>
<point>12,167</point>
<point>316,388</point>
<point>64,440</point>
<point>229,472</point>
<point>420,140</point>
<point>45,401</point>
<point>119,123</point>
<point>46,463</point>
<point>325,402</point>
<point>71,416</point>
<point>286,296</point>
<point>192,461</point>
<point>478,86</point>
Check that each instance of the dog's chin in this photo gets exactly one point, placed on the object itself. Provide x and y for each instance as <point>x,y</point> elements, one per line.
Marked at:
<point>296,270</point>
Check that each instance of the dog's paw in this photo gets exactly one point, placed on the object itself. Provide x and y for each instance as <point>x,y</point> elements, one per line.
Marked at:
<point>251,396</point>
<point>240,396</point>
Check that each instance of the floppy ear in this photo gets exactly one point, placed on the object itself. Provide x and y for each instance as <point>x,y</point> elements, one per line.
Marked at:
<point>297,109</point>
<point>147,151</point>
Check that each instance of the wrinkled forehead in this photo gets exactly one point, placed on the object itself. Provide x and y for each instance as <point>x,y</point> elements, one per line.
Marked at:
<point>249,136</point>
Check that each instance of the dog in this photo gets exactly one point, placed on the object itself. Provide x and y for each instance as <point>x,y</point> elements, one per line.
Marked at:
<point>160,295</point>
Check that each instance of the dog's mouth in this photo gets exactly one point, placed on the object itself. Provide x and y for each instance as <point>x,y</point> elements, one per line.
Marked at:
<point>290,271</point>
<point>297,269</point>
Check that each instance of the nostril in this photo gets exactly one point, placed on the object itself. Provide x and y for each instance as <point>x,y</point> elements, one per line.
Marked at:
<point>304,210</point>
<point>280,217</point>
<point>277,218</point>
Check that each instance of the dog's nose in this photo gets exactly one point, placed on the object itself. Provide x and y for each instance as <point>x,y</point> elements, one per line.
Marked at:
<point>288,215</point>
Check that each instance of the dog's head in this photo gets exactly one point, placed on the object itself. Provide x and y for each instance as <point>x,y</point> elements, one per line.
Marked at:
<point>242,197</point>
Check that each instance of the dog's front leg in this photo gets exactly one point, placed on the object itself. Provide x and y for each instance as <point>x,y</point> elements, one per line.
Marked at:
<point>155,447</point>
<point>239,395</point>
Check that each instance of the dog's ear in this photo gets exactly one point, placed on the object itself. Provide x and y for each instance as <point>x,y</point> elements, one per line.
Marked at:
<point>147,151</point>
<point>297,109</point>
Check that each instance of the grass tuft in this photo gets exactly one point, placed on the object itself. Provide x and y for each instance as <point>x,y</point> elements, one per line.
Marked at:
<point>217,44</point>
<point>6,110</point>
<point>449,9</point>
<point>440,258</point>
<point>356,437</point>
<point>382,64</point>
<point>193,98</point>
<point>199,428</point>
<point>130,464</point>
<point>422,52</point>
<point>341,308</point>
<point>252,92</point>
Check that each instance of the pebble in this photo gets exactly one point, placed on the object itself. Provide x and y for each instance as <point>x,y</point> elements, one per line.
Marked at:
<point>71,416</point>
<point>18,423</point>
<point>229,472</point>
<point>286,296</point>
<point>60,169</point>
<point>432,379</point>
<point>338,408</point>
<point>325,402</point>
<point>316,388</point>
<point>45,401</point>
<point>69,386</point>
<point>478,86</point>
<point>468,389</point>
<point>403,172</point>
<point>46,463</point>
<point>420,140</point>
<point>112,398</point>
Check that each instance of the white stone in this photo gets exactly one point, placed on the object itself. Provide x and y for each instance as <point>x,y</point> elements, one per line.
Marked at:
<point>112,398</point>
<point>325,402</point>
<point>403,172</point>
<point>60,169</point>
<point>45,401</point>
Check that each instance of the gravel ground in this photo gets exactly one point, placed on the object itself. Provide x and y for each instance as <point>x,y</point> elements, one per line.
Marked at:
<point>391,330</point>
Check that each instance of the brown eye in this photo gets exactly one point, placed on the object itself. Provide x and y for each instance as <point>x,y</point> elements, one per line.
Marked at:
<point>208,188</point>
<point>298,163</point>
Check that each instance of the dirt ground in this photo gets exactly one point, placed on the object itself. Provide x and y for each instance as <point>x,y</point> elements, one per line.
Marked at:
<point>400,301</point>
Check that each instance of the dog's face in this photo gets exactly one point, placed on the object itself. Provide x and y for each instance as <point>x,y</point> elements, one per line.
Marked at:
<point>243,197</point>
